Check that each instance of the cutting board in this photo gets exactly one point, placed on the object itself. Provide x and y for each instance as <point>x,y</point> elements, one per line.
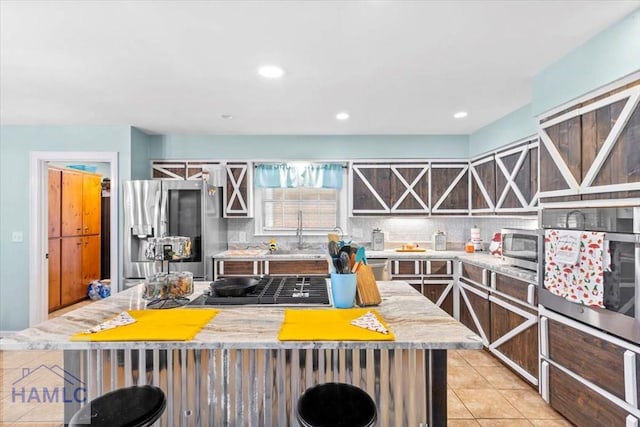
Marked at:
<point>411,250</point>
<point>366,287</point>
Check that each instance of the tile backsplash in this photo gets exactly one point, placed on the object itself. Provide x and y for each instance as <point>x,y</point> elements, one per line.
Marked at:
<point>397,230</point>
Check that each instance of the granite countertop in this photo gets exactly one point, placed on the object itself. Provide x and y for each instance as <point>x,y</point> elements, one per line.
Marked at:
<point>416,322</point>
<point>482,259</point>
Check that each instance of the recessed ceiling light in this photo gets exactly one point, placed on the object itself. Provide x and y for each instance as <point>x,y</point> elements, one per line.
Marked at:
<point>342,116</point>
<point>271,71</point>
<point>226,116</point>
<point>460,115</point>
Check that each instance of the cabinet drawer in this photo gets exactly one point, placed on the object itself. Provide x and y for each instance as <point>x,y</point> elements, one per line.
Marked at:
<point>473,273</point>
<point>247,268</point>
<point>438,267</point>
<point>598,361</point>
<point>581,405</point>
<point>407,268</point>
<point>290,267</point>
<point>517,289</point>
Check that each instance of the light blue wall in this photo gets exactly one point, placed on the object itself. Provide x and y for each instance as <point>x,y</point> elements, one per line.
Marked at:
<point>609,56</point>
<point>314,147</point>
<point>16,142</point>
<point>510,128</point>
<point>144,148</point>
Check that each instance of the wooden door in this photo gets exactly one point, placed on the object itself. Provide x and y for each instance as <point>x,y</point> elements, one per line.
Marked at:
<point>238,191</point>
<point>54,202</point>
<point>409,188</point>
<point>71,203</point>
<point>483,184</point>
<point>91,203</point>
<point>71,270</point>
<point>371,188</point>
<point>475,310</point>
<point>90,260</point>
<point>449,188</point>
<point>53,257</point>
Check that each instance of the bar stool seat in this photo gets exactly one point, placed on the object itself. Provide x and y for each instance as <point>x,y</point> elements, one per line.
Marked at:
<point>136,406</point>
<point>336,405</point>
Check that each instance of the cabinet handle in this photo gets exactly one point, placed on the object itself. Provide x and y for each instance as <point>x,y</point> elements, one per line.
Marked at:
<point>79,228</point>
<point>79,243</point>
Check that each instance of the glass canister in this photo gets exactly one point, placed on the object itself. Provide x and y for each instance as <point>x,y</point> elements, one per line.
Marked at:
<point>377,240</point>
<point>439,241</point>
<point>184,285</point>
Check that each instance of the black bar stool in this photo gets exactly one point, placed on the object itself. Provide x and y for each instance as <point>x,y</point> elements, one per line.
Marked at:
<point>137,406</point>
<point>336,405</point>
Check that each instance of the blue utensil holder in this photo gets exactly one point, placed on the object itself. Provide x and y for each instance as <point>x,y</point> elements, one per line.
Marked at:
<point>343,290</point>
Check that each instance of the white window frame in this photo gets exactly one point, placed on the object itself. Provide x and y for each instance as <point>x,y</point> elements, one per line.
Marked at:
<point>342,209</point>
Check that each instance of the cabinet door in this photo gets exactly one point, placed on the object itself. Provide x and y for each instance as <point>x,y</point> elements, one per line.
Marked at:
<point>516,181</point>
<point>71,286</point>
<point>514,336</point>
<point>370,188</point>
<point>91,203</point>
<point>483,185</point>
<point>592,150</point>
<point>440,294</point>
<point>581,405</point>
<point>53,257</point>
<point>409,188</point>
<point>297,267</point>
<point>238,193</point>
<point>475,310</point>
<point>90,260</point>
<point>238,268</point>
<point>54,202</point>
<point>409,270</point>
<point>71,203</point>
<point>449,188</point>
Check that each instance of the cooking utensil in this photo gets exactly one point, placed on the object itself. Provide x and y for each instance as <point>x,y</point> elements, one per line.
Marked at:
<point>345,259</point>
<point>337,263</point>
<point>332,248</point>
<point>233,286</point>
<point>360,258</point>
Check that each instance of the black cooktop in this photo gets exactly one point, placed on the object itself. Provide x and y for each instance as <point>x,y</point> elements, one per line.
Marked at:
<point>281,290</point>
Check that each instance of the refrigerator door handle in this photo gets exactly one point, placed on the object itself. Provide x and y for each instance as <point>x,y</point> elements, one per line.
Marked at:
<point>164,223</point>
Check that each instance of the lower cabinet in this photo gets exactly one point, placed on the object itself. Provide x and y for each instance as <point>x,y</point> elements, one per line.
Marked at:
<point>590,377</point>
<point>433,278</point>
<point>259,267</point>
<point>79,261</point>
<point>475,309</point>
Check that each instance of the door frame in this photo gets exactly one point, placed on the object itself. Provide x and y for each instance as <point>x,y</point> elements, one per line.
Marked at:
<point>38,223</point>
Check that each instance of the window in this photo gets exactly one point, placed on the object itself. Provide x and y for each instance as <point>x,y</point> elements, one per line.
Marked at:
<point>281,207</point>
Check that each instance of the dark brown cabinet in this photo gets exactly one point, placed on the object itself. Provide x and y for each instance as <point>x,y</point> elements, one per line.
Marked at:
<point>449,188</point>
<point>475,309</point>
<point>592,149</point>
<point>483,184</point>
<point>590,377</point>
<point>383,188</point>
<point>517,178</point>
<point>258,267</point>
<point>238,192</point>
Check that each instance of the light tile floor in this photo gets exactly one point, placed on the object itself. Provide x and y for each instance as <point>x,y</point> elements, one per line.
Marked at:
<point>481,392</point>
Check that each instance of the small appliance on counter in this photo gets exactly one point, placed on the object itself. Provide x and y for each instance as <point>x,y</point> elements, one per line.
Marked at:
<point>439,241</point>
<point>520,247</point>
<point>377,240</point>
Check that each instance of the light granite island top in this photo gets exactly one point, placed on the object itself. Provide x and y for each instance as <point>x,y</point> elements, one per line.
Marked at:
<point>237,372</point>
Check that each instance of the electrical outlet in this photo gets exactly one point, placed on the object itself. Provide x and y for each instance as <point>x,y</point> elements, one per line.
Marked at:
<point>16,236</point>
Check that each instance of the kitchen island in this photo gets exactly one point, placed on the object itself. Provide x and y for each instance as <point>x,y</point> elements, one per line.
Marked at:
<point>236,372</point>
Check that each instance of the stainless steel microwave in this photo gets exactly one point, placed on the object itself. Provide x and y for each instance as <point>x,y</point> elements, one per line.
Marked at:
<point>520,247</point>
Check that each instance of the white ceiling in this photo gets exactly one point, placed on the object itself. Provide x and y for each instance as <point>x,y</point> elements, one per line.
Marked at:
<point>398,67</point>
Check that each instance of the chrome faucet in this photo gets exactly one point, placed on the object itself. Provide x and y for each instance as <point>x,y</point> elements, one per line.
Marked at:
<point>299,229</point>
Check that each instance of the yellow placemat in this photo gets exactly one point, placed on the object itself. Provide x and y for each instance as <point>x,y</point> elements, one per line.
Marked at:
<point>329,325</point>
<point>180,324</point>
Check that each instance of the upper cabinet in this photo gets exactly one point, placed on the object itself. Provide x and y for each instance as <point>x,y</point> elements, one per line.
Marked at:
<point>517,178</point>
<point>389,188</point>
<point>238,192</point>
<point>592,149</point>
<point>450,187</point>
<point>483,184</point>
<point>182,169</point>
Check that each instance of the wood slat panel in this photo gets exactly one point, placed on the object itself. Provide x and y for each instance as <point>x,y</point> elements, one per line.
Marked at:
<point>299,267</point>
<point>522,348</point>
<point>472,272</point>
<point>397,188</point>
<point>513,287</point>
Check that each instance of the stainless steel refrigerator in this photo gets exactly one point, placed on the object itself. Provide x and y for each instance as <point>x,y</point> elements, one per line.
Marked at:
<point>160,208</point>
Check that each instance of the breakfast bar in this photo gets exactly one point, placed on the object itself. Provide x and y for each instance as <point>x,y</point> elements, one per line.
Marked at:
<point>236,372</point>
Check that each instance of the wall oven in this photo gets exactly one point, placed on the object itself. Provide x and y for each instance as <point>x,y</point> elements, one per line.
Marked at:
<point>520,247</point>
<point>620,315</point>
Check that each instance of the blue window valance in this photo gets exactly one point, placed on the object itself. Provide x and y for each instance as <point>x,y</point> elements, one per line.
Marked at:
<point>292,175</point>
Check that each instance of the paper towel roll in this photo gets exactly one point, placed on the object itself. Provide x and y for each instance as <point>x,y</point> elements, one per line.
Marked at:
<point>475,233</point>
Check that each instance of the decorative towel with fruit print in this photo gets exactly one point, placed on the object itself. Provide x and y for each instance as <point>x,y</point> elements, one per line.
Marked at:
<point>583,281</point>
